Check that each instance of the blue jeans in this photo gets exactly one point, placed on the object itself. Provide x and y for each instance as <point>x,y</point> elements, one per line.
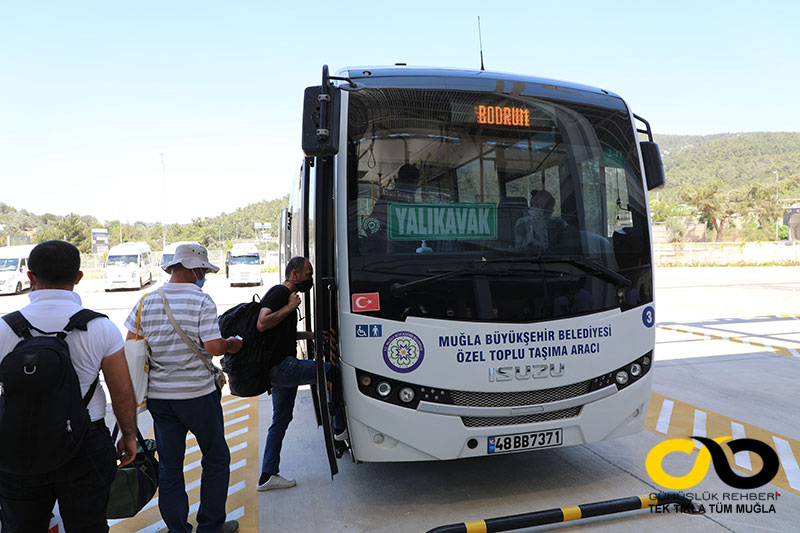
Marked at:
<point>172,419</point>
<point>286,376</point>
<point>81,486</point>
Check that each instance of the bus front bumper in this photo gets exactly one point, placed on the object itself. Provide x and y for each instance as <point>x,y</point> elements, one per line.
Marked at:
<point>383,432</point>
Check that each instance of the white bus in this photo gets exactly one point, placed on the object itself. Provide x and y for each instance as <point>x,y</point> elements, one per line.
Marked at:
<point>168,254</point>
<point>482,257</point>
<point>243,265</point>
<point>14,268</point>
<point>130,265</point>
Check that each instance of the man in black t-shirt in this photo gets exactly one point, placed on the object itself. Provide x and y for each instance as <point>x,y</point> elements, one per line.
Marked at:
<point>278,315</point>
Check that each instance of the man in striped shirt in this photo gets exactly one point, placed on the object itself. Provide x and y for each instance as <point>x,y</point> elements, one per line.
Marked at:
<point>182,395</point>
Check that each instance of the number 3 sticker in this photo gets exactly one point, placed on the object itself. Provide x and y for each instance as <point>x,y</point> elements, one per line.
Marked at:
<point>649,316</point>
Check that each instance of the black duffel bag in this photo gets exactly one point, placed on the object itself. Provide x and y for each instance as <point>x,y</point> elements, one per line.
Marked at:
<point>136,483</point>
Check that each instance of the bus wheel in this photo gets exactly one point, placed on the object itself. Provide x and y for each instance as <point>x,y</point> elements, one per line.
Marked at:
<point>19,288</point>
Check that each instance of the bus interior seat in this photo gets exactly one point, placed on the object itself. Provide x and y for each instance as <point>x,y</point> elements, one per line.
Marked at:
<point>509,210</point>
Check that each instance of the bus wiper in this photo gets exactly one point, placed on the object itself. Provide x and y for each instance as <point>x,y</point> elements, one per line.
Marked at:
<point>402,289</point>
<point>587,265</point>
<point>594,267</point>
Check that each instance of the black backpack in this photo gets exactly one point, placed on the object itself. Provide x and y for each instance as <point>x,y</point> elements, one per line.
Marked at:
<point>247,369</point>
<point>43,418</point>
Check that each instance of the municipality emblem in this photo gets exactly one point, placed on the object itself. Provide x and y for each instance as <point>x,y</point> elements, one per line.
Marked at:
<point>403,352</point>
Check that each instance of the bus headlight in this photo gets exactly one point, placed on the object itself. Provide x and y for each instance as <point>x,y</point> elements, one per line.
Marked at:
<point>384,389</point>
<point>636,370</point>
<point>646,360</point>
<point>401,393</point>
<point>622,377</point>
<point>406,394</point>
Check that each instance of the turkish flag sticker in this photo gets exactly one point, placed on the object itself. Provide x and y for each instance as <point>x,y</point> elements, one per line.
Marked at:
<point>370,301</point>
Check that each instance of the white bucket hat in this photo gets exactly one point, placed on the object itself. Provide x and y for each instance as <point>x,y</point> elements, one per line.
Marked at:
<point>190,256</point>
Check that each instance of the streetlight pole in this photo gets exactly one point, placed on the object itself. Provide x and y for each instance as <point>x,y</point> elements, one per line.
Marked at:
<point>776,202</point>
<point>163,203</point>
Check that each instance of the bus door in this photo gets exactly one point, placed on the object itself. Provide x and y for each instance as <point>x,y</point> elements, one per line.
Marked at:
<point>320,139</point>
<point>305,246</point>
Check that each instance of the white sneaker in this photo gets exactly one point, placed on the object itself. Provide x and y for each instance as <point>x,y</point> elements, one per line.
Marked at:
<point>343,436</point>
<point>276,482</point>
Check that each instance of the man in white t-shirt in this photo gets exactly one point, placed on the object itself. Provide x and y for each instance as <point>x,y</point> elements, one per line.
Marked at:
<point>182,395</point>
<point>81,485</point>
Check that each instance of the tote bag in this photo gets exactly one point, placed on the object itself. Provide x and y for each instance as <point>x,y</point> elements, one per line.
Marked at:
<point>137,354</point>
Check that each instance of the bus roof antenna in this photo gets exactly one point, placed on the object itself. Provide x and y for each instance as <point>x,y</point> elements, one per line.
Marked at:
<point>480,41</point>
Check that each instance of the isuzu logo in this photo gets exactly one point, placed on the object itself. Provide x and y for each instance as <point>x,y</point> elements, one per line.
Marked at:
<point>523,372</point>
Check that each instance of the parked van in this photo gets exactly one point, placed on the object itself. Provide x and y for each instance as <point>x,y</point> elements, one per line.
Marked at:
<point>14,268</point>
<point>129,266</point>
<point>243,265</point>
<point>169,253</point>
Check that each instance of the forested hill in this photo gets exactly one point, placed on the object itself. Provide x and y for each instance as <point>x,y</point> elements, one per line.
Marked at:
<point>219,231</point>
<point>707,172</point>
<point>738,160</point>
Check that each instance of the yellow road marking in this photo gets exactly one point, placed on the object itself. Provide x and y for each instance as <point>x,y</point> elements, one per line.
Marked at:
<point>780,350</point>
<point>242,435</point>
<point>682,425</point>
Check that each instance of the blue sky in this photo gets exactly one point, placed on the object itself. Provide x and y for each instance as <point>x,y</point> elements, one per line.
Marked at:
<point>93,92</point>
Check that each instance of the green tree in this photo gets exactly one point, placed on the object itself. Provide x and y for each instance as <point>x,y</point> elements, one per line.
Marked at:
<point>715,206</point>
<point>72,229</point>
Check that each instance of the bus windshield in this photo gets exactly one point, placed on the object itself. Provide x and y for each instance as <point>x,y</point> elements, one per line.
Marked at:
<point>123,260</point>
<point>8,265</point>
<point>244,260</point>
<point>490,206</point>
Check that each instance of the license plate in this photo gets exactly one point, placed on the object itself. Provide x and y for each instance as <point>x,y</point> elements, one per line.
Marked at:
<point>526,441</point>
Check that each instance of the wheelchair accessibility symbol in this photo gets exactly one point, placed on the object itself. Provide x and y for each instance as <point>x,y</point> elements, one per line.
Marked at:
<point>366,330</point>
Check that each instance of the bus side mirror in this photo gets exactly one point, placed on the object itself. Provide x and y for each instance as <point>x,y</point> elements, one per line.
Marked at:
<point>653,167</point>
<point>321,121</point>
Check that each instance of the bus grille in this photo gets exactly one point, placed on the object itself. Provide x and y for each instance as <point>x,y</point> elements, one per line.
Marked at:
<point>486,421</point>
<point>513,399</point>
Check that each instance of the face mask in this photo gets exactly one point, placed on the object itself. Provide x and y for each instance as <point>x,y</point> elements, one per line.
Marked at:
<point>199,282</point>
<point>304,286</point>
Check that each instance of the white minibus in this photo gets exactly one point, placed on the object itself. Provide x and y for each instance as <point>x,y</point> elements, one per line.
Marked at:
<point>129,266</point>
<point>243,265</point>
<point>14,268</point>
<point>169,253</point>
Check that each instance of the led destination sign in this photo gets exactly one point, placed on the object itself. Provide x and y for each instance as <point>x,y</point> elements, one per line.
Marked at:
<point>503,115</point>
